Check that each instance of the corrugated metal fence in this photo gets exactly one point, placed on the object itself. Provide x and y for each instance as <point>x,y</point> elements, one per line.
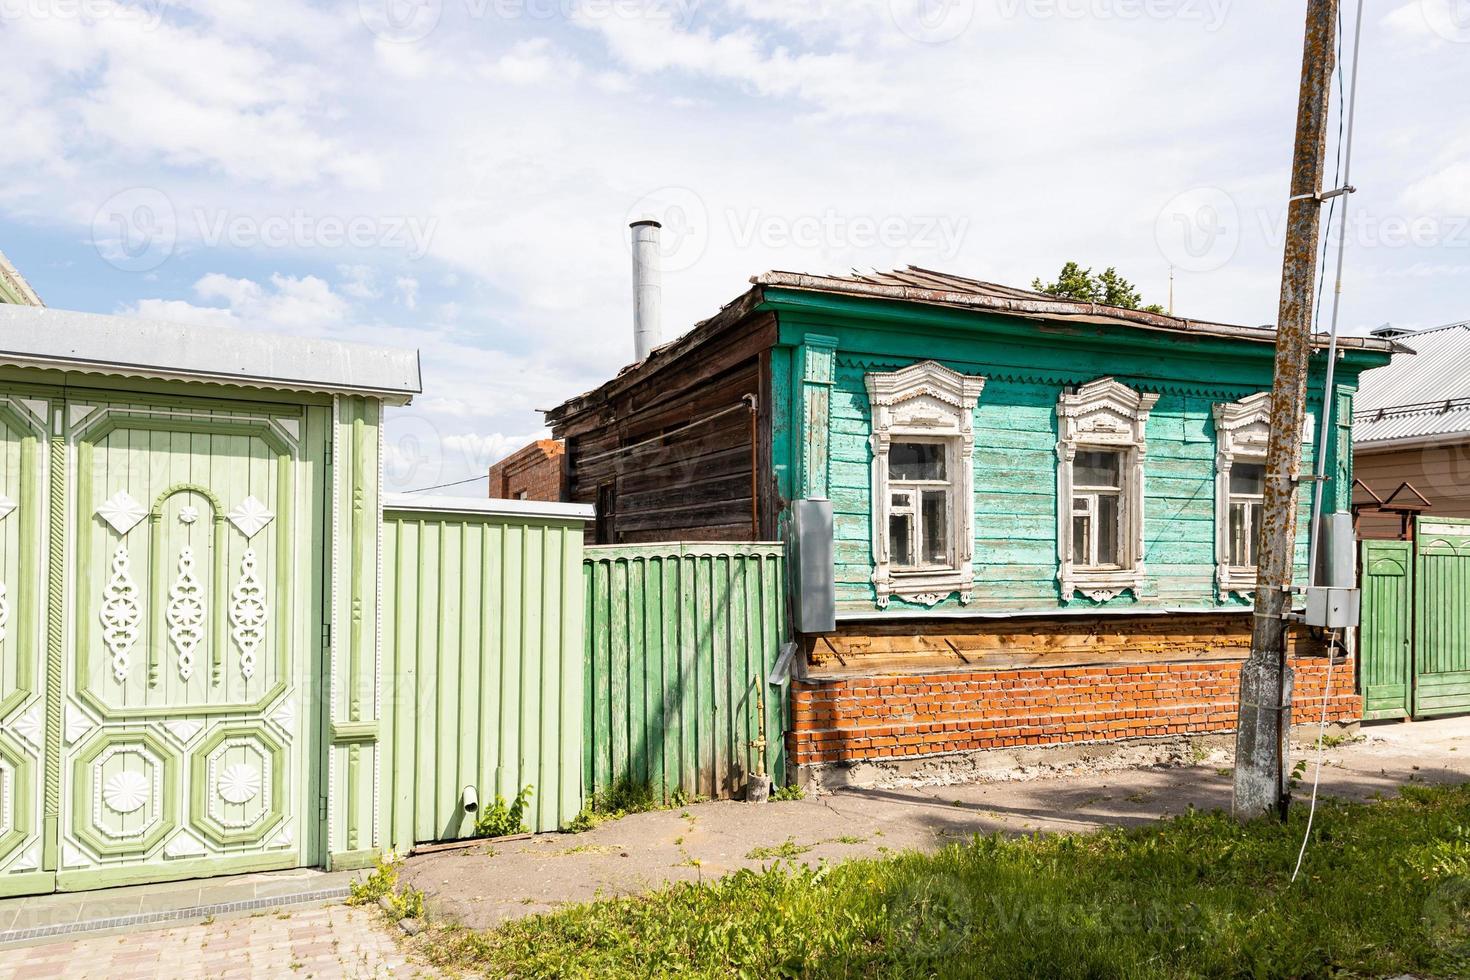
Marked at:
<point>679,640</point>
<point>482,631</point>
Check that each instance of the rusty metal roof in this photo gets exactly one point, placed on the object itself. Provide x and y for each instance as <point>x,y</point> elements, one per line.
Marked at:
<point>1426,396</point>
<point>917,285</point>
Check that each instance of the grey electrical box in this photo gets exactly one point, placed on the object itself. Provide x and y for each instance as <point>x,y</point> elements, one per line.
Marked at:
<point>814,583</point>
<point>1334,609</point>
<point>1337,552</point>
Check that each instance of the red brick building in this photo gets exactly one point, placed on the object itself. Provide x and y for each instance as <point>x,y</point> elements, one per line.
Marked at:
<point>533,472</point>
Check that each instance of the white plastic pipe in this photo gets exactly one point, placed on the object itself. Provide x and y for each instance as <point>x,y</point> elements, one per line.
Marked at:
<point>469,800</point>
<point>647,288</point>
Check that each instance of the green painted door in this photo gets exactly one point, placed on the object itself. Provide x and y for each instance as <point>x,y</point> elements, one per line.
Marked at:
<point>1386,635</point>
<point>188,728</point>
<point>24,474</point>
<point>1442,617</point>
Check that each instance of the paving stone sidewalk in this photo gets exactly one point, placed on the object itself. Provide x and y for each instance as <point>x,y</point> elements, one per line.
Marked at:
<point>328,942</point>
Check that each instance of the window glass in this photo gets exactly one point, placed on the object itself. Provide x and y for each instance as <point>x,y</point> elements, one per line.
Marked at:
<point>1239,534</point>
<point>935,522</point>
<point>1107,530</point>
<point>1082,539</point>
<point>1248,478</point>
<point>916,461</point>
<point>901,539</point>
<point>1097,468</point>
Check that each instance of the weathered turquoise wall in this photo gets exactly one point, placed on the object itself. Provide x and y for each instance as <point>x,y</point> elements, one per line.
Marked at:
<point>821,441</point>
<point>482,667</point>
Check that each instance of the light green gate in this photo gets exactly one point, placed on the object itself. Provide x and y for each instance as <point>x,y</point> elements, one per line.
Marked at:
<point>1442,617</point>
<point>189,715</point>
<point>25,568</point>
<point>1386,634</point>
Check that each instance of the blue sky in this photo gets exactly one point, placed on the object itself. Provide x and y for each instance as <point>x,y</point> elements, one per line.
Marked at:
<point>457,175</point>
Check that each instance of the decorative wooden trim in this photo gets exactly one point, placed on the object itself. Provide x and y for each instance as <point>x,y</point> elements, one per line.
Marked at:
<point>347,732</point>
<point>1103,414</point>
<point>927,400</point>
<point>818,364</point>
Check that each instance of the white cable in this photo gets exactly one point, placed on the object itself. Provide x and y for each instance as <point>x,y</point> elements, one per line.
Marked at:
<point>1321,755</point>
<point>1327,401</point>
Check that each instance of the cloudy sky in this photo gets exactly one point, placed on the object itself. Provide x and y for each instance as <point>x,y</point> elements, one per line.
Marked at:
<point>458,175</point>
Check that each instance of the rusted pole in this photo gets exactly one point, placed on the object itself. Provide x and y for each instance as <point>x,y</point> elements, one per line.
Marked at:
<point>1261,749</point>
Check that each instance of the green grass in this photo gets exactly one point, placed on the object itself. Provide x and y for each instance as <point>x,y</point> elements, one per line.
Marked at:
<point>1386,890</point>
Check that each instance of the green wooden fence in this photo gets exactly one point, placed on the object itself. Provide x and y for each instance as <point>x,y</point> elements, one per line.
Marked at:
<point>680,641</point>
<point>482,637</point>
<point>1386,634</point>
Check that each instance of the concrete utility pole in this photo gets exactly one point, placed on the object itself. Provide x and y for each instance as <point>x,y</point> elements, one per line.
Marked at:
<point>1261,749</point>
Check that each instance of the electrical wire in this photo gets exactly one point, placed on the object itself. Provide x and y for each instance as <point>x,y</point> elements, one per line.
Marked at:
<point>1345,148</point>
<point>445,486</point>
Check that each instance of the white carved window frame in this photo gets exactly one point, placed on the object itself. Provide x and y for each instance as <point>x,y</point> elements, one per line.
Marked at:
<point>925,402</point>
<point>1104,415</point>
<point>1242,432</point>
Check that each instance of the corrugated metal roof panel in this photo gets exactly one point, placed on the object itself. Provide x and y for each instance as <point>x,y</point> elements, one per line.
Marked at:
<point>1419,395</point>
<point>130,347</point>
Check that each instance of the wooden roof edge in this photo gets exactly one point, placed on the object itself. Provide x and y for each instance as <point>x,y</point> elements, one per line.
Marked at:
<point>660,358</point>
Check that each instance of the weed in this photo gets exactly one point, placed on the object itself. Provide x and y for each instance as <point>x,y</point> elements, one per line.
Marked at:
<point>625,798</point>
<point>405,903</point>
<point>787,794</point>
<point>787,849</point>
<point>502,819</point>
<point>1337,741</point>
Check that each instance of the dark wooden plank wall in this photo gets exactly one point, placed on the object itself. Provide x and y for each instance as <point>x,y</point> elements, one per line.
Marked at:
<point>695,484</point>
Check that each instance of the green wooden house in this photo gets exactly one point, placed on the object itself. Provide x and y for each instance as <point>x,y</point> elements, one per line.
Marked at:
<point>1018,481</point>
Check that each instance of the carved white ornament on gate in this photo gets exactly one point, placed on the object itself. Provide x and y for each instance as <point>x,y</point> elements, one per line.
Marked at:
<point>121,614</point>
<point>248,613</point>
<point>126,791</point>
<point>250,516</point>
<point>185,612</point>
<point>239,783</point>
<point>4,611</point>
<point>122,512</point>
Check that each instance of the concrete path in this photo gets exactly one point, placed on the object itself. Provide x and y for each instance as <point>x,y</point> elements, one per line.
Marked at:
<point>490,884</point>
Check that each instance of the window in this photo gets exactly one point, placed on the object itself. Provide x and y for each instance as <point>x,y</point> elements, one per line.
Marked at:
<point>1100,494</point>
<point>1247,499</point>
<point>1097,506</point>
<point>919,505</point>
<point>923,451</point>
<point>1242,431</point>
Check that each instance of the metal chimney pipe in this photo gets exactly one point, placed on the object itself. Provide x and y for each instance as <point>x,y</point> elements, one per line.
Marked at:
<point>647,288</point>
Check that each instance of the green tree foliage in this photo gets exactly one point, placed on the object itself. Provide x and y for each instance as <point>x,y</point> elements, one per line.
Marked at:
<point>1107,288</point>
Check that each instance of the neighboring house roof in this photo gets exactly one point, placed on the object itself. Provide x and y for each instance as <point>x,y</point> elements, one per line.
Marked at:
<point>916,285</point>
<point>130,347</point>
<point>13,286</point>
<point>1425,398</point>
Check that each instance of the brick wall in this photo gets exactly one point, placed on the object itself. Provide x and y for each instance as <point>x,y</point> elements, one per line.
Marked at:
<point>533,472</point>
<point>857,718</point>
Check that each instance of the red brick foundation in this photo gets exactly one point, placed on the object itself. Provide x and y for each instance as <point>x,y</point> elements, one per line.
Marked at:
<point>860,718</point>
